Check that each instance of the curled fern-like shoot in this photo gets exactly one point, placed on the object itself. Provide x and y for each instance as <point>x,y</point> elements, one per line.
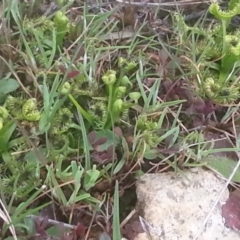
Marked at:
<point>30,111</point>
<point>83,87</point>
<point>233,10</point>
<point>219,93</point>
<point>14,106</point>
<point>98,111</point>
<point>62,121</point>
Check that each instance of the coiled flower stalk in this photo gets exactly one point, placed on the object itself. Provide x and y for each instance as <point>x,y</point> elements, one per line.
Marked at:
<point>227,15</point>
<point>23,109</point>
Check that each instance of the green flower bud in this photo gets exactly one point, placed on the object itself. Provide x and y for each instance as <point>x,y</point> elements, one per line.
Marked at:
<point>109,78</point>
<point>3,113</point>
<point>125,64</point>
<point>121,91</point>
<point>125,81</point>
<point>118,105</point>
<point>135,96</point>
<point>60,19</point>
<point>131,65</point>
<point>60,2</point>
<point>121,61</point>
<point>65,88</point>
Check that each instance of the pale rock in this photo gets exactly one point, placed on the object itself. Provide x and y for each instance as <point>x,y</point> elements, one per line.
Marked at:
<point>141,236</point>
<point>175,208</point>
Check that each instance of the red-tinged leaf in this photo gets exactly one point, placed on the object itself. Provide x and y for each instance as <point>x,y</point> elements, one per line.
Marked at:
<point>80,230</point>
<point>231,211</point>
<point>40,229</point>
<point>118,131</point>
<point>209,108</point>
<point>111,152</point>
<point>101,141</point>
<point>73,74</point>
<point>67,236</point>
<point>62,69</point>
<point>104,156</point>
<point>92,137</point>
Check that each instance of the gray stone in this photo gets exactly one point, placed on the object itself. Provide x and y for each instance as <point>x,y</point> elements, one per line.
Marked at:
<point>175,207</point>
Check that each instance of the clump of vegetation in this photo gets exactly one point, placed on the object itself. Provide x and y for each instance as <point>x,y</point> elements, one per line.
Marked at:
<point>86,110</point>
<point>218,54</point>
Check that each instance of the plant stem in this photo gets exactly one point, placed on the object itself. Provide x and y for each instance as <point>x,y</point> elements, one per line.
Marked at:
<point>82,111</point>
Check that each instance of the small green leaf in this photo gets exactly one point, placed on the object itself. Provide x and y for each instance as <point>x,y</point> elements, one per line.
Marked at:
<point>8,85</point>
<point>138,174</point>
<point>116,220</point>
<point>224,166</point>
<point>91,177</point>
<point>151,154</point>
<point>119,166</point>
<point>5,134</point>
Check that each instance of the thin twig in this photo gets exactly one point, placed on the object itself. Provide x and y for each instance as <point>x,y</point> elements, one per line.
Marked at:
<point>166,4</point>
<point>52,222</point>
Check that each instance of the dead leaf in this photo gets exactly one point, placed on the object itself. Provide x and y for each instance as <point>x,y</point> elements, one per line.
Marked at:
<point>231,211</point>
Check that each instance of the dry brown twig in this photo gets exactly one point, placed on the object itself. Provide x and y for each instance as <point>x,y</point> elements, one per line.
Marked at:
<point>166,4</point>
